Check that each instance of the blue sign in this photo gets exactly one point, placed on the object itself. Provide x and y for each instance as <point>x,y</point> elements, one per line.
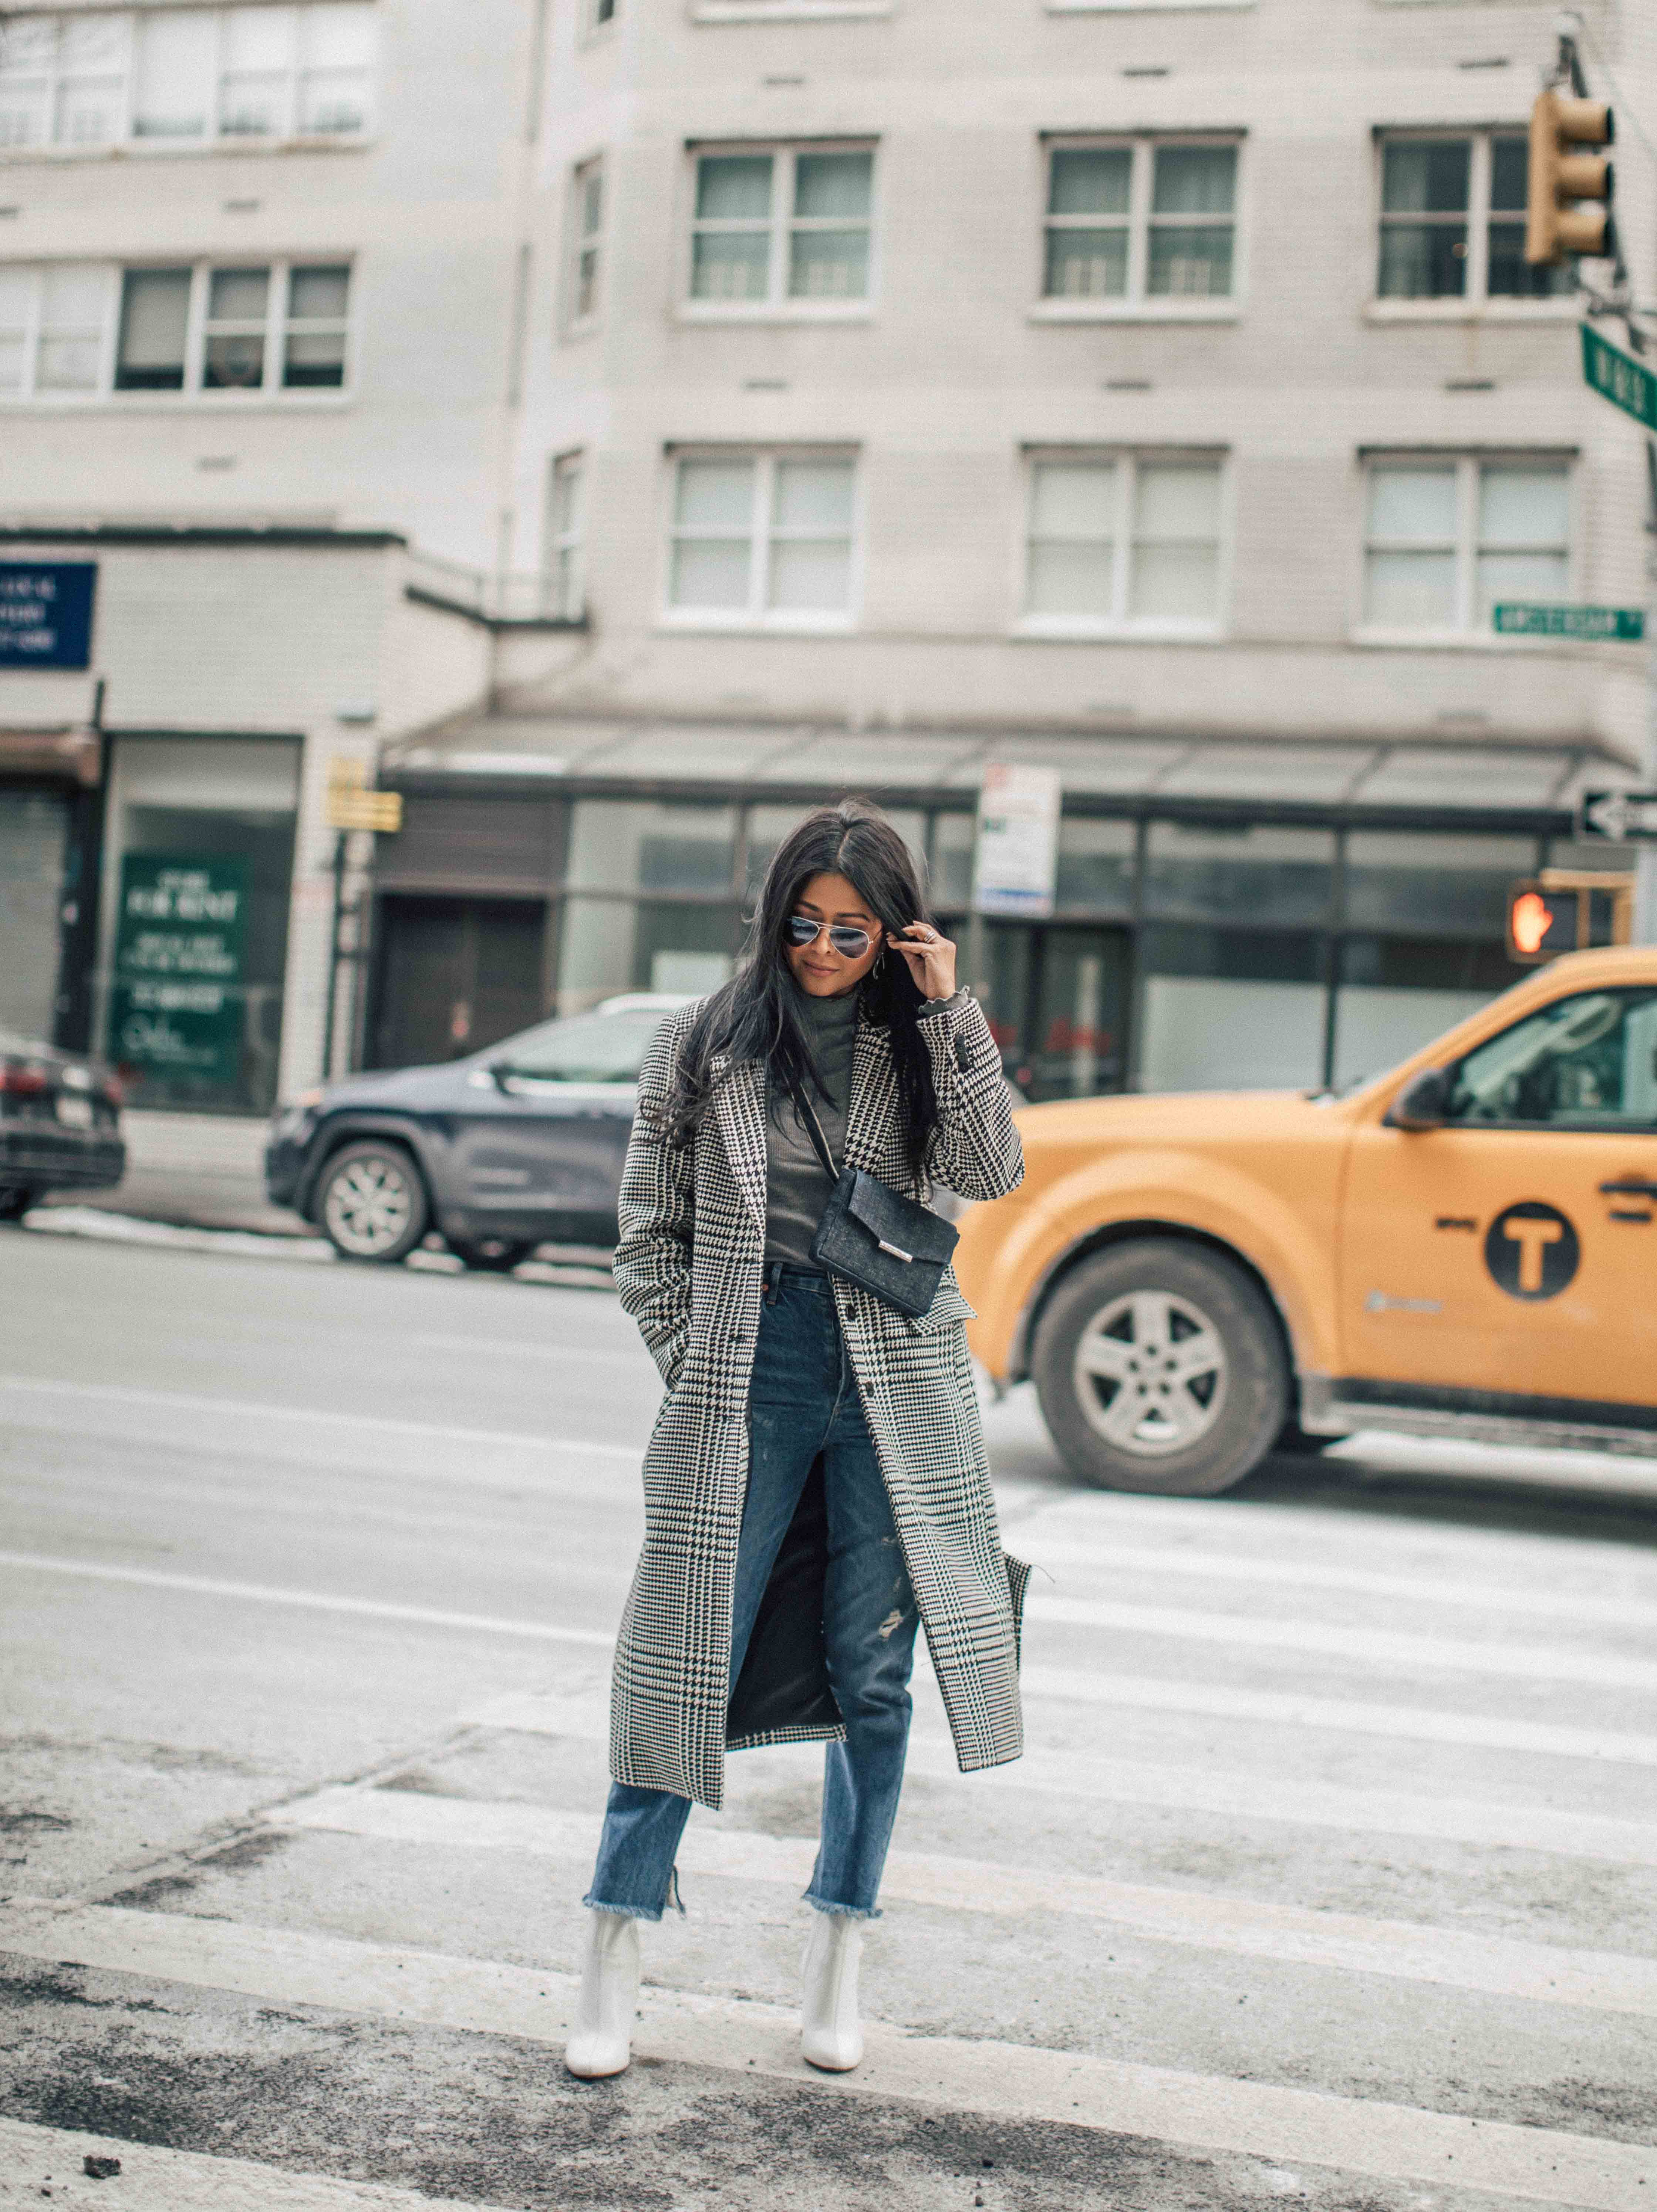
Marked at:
<point>45,613</point>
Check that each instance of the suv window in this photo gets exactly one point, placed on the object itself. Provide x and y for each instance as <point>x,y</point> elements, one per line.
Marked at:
<point>585,1048</point>
<point>1586,1062</point>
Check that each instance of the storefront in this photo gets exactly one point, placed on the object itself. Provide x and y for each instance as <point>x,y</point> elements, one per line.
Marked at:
<point>50,803</point>
<point>1226,914</point>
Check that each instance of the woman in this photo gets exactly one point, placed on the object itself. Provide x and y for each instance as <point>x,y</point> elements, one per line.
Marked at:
<point>817,1476</point>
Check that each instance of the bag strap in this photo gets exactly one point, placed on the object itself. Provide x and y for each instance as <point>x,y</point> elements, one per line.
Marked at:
<point>814,1129</point>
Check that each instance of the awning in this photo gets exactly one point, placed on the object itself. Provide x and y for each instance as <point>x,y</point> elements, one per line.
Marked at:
<point>72,756</point>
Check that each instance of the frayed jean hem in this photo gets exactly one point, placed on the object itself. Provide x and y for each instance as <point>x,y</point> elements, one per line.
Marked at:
<point>842,1911</point>
<point>642,1911</point>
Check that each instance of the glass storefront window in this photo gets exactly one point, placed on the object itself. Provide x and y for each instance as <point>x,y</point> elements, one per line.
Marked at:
<point>1398,993</point>
<point>33,844</point>
<point>769,825</point>
<point>628,845</point>
<point>1231,1009</point>
<point>1444,886</point>
<point>952,837</point>
<point>608,945</point>
<point>1081,1014</point>
<point>1095,864</point>
<point>1254,872</point>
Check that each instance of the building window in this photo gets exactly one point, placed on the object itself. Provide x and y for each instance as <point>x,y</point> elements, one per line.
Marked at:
<point>564,517</point>
<point>1447,539</point>
<point>1453,221</point>
<point>88,330</point>
<point>176,75</point>
<point>1140,220</point>
<point>603,11</point>
<point>787,227</point>
<point>1123,539</point>
<point>586,227</point>
<point>762,537</point>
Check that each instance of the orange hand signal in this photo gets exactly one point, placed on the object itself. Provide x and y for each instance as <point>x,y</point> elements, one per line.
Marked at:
<point>1532,918</point>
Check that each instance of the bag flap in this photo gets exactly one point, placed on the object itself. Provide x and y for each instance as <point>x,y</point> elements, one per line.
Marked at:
<point>891,1218</point>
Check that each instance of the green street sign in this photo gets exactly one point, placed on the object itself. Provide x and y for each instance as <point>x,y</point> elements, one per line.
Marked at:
<point>1626,625</point>
<point>176,1007</point>
<point>1617,376</point>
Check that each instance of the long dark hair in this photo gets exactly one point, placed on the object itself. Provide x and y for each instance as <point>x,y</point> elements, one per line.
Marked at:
<point>755,1016</point>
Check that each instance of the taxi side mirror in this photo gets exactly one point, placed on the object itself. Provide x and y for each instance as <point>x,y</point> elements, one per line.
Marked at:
<point>1424,1101</point>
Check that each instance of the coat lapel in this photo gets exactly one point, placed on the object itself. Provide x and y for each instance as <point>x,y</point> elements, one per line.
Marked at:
<point>867,1106</point>
<point>740,1113</point>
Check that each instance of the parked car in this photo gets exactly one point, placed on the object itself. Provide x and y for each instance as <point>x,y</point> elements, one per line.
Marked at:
<point>60,1124</point>
<point>1466,1246</point>
<point>499,1151</point>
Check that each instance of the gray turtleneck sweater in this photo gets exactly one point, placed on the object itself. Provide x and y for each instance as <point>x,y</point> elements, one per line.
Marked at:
<point>796,1188</point>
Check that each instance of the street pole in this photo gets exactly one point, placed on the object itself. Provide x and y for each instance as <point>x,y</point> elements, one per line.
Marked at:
<point>1644,930</point>
<point>333,954</point>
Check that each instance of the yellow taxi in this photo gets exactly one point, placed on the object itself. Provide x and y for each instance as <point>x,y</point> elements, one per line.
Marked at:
<point>1466,1245</point>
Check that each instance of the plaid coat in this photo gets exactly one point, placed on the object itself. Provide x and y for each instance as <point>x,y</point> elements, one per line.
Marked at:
<point>689,1270</point>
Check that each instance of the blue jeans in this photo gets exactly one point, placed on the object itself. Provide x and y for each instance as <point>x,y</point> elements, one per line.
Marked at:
<point>803,1401</point>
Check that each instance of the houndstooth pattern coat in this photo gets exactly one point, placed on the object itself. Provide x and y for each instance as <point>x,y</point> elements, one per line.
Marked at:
<point>689,1269</point>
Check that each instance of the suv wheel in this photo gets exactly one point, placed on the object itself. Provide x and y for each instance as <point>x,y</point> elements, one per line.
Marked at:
<point>372,1204</point>
<point>1160,1368</point>
<point>495,1255</point>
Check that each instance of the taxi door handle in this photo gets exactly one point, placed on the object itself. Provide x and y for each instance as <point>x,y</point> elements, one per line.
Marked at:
<point>1629,1187</point>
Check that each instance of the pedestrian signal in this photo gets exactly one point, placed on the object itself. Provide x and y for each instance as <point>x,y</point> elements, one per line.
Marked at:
<point>1541,924</point>
<point>1560,218</point>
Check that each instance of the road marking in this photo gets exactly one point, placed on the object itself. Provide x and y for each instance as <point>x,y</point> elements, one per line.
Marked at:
<point>240,1409</point>
<point>1014,2081</point>
<point>1288,1709</point>
<point>1372,1647</point>
<point>156,2180</point>
<point>1231,1795</point>
<point>1599,1981</point>
<point>366,1608</point>
<point>1584,1609</point>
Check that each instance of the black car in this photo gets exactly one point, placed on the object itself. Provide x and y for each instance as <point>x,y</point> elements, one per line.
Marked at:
<point>502,1151</point>
<point>60,1124</point>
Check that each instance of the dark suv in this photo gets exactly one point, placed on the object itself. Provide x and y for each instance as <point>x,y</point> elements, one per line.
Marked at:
<point>501,1151</point>
<point>60,1125</point>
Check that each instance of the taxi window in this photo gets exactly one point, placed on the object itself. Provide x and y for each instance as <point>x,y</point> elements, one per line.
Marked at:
<point>1585,1062</point>
<point>585,1048</point>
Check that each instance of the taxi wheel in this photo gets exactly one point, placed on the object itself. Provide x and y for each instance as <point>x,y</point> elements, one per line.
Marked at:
<point>1160,1368</point>
<point>372,1204</point>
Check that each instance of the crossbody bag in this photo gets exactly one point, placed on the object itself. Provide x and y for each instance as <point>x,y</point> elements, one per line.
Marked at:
<point>874,1237</point>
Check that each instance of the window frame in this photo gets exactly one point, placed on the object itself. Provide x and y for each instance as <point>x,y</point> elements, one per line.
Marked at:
<point>565,603</point>
<point>270,391</point>
<point>1476,300</point>
<point>215,139</point>
<point>1120,624</point>
<point>1619,1127</point>
<point>755,616</point>
<point>576,321</point>
<point>778,306</point>
<point>1469,463</point>
<point>1137,304</point>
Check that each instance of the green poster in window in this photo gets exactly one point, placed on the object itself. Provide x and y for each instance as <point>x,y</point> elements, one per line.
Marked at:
<point>176,1007</point>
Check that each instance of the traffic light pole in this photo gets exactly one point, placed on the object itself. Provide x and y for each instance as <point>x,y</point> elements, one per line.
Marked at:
<point>1645,864</point>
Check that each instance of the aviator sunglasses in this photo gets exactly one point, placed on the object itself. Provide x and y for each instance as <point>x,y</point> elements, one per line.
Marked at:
<point>850,943</point>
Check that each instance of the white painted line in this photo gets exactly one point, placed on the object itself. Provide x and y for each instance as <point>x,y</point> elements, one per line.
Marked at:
<point>1200,2112</point>
<point>156,2180</point>
<point>373,1425</point>
<point>1598,1981</point>
<point>1231,1795</point>
<point>1370,1647</point>
<point>364,1608</point>
<point>1585,1609</point>
<point>1289,1709</point>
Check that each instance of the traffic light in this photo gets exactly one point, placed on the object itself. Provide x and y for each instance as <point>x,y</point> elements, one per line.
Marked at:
<point>1568,910</point>
<point>1541,924</point>
<point>1560,176</point>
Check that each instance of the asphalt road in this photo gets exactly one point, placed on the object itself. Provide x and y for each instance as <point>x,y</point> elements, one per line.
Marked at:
<point>1330,1877</point>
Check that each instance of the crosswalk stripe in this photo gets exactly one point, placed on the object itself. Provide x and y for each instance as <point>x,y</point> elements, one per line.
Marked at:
<point>1372,1647</point>
<point>1207,1789</point>
<point>1598,1981</point>
<point>1013,2080</point>
<point>152,2179</point>
<point>366,1608</point>
<point>1289,1708</point>
<point>1249,1571</point>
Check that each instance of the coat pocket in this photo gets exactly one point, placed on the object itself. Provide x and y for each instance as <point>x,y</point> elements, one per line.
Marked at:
<point>949,1305</point>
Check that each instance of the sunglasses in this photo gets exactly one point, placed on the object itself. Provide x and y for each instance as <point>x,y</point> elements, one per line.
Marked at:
<point>850,943</point>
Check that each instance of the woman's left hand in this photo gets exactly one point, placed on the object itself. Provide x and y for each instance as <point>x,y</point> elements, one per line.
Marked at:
<point>931,956</point>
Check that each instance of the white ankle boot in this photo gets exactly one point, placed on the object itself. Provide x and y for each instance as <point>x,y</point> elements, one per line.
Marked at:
<point>830,2035</point>
<point>601,2034</point>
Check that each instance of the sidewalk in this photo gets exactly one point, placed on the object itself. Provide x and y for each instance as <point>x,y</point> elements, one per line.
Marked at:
<point>195,1171</point>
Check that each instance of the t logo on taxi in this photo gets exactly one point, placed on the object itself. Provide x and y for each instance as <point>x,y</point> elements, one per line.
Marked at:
<point>1532,1250</point>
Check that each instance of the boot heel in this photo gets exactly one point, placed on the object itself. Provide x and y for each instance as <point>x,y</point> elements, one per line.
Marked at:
<point>831,2035</point>
<point>601,2035</point>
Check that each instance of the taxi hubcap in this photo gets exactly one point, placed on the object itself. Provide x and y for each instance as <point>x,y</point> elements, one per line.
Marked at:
<point>1149,1373</point>
<point>368,1206</point>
